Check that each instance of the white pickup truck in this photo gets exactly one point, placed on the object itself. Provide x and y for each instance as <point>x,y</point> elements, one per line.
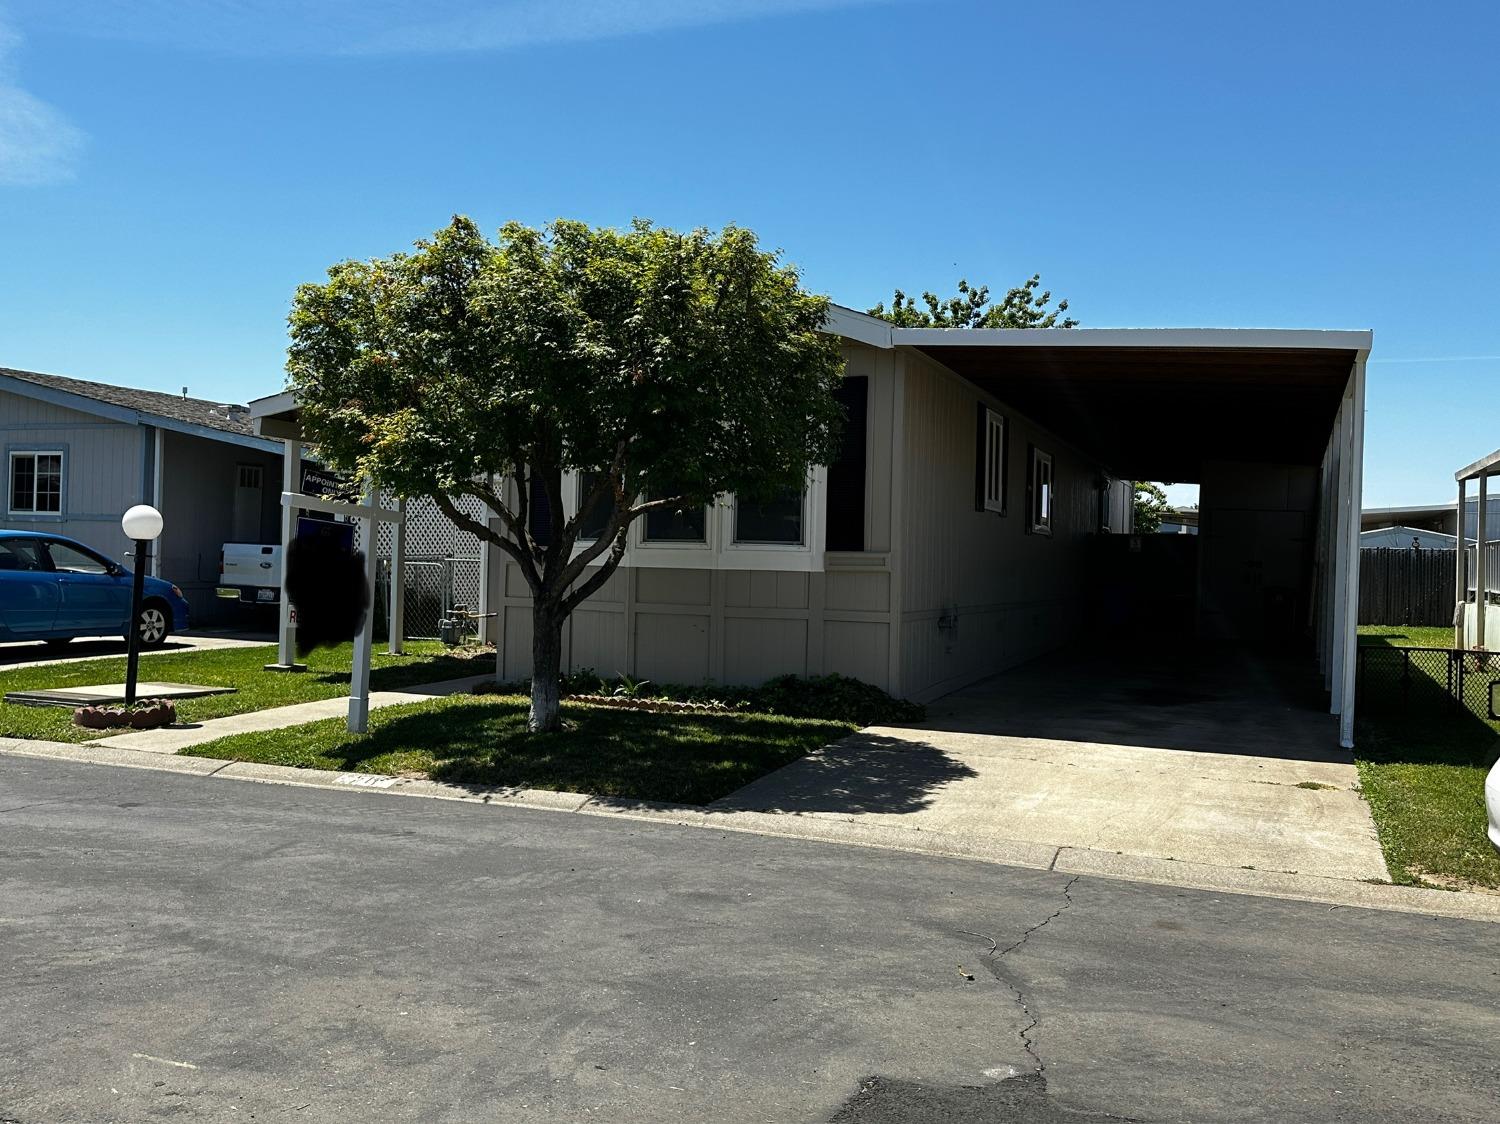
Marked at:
<point>250,572</point>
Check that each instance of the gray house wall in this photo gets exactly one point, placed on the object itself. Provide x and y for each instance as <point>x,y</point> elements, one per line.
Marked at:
<point>940,596</point>
<point>979,592</point>
<point>105,470</point>
<point>108,466</point>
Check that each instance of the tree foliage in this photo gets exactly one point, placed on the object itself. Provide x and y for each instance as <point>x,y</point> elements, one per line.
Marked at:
<point>666,367</point>
<point>1151,507</point>
<point>1021,307</point>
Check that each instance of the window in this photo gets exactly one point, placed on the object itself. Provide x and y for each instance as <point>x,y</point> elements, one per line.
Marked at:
<point>1042,484</point>
<point>596,521</point>
<point>844,518</point>
<point>774,522</point>
<point>989,462</point>
<point>1106,496</point>
<point>250,475</point>
<point>36,482</point>
<point>680,524</point>
<point>68,559</point>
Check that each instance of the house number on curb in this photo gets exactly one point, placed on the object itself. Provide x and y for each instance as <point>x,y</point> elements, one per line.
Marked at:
<point>365,780</point>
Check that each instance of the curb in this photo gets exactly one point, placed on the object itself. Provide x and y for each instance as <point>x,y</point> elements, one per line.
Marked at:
<point>1334,892</point>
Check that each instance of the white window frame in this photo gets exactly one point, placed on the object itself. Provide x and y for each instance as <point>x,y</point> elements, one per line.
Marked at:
<point>10,480</point>
<point>1043,500</point>
<point>718,550</point>
<point>994,461</point>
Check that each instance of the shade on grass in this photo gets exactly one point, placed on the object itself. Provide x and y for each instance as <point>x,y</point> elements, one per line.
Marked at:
<point>242,668</point>
<point>1422,767</point>
<point>605,751</point>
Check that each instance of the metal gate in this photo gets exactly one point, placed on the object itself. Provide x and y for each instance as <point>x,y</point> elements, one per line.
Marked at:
<point>434,588</point>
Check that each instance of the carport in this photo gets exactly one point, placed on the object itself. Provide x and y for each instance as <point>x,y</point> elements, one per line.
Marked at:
<point>1268,422</point>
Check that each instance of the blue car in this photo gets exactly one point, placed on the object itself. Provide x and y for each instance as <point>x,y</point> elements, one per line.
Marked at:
<point>54,589</point>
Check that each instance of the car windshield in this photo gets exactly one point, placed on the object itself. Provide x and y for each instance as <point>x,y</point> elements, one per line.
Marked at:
<point>21,554</point>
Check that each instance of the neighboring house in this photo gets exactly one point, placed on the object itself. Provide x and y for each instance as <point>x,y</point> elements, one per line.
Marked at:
<point>76,454</point>
<point>1181,522</point>
<point>1405,538</point>
<point>1441,517</point>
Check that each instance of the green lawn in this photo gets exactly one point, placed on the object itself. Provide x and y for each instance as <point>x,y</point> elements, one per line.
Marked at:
<point>686,758</point>
<point>327,677</point>
<point>1422,771</point>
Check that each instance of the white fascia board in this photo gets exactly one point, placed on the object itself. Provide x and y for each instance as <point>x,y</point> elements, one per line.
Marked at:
<point>1484,466</point>
<point>282,403</point>
<point>857,326</point>
<point>1193,339</point>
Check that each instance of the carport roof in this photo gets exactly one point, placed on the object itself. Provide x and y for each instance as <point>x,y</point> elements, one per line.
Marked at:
<point>1152,403</point>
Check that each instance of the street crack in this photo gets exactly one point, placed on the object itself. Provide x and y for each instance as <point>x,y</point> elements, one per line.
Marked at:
<point>995,954</point>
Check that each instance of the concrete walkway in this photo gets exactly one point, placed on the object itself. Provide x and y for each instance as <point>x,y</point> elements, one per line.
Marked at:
<point>171,739</point>
<point>1222,762</point>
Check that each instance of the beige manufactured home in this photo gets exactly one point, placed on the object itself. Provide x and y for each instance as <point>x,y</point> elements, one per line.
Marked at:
<point>984,485</point>
<point>979,514</point>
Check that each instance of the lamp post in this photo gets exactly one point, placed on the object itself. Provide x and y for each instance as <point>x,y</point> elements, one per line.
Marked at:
<point>142,524</point>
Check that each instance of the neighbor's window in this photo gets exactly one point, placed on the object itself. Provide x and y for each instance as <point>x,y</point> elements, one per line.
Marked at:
<point>989,495</point>
<point>597,521</point>
<point>1041,492</point>
<point>776,522</point>
<point>36,482</point>
<point>682,524</point>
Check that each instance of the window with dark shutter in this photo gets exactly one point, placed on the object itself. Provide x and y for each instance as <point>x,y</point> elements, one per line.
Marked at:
<point>844,522</point>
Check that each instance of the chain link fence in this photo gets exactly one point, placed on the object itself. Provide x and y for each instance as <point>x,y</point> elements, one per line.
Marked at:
<point>1416,681</point>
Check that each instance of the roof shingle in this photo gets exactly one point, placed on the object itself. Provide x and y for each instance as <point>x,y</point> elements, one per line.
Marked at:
<point>228,417</point>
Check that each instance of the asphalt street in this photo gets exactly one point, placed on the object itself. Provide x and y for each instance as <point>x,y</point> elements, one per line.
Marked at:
<point>173,946</point>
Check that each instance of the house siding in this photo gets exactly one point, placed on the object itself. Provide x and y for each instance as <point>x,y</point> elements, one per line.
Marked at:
<point>739,626</point>
<point>979,593</point>
<point>104,470</point>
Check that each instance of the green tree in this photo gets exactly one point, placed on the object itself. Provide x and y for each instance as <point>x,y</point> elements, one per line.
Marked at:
<point>665,368</point>
<point>1021,307</point>
<point>1151,507</point>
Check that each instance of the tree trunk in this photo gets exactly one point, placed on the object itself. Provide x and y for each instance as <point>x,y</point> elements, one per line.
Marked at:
<point>546,662</point>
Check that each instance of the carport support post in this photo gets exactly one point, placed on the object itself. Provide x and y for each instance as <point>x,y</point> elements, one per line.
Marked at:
<point>359,679</point>
<point>286,628</point>
<point>1481,567</point>
<point>1462,592</point>
<point>1349,641</point>
<point>396,614</point>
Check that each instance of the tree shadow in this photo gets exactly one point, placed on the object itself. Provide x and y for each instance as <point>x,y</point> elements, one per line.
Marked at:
<point>608,752</point>
<point>863,773</point>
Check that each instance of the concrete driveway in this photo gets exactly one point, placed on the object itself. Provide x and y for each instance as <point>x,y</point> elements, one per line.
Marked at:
<point>34,653</point>
<point>1217,759</point>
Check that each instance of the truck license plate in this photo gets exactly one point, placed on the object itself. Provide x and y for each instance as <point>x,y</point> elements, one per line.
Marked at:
<point>265,595</point>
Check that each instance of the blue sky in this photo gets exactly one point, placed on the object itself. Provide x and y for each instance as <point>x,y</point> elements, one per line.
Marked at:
<point>170,171</point>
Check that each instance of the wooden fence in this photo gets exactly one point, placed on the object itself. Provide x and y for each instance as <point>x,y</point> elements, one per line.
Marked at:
<point>1399,585</point>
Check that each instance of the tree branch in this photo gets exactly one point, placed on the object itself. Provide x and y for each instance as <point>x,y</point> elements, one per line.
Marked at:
<point>463,519</point>
<point>596,581</point>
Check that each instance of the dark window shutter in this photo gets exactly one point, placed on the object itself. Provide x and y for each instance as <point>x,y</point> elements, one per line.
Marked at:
<point>845,519</point>
<point>539,515</point>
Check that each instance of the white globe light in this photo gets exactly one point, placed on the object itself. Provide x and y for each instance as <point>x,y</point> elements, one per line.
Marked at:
<point>141,522</point>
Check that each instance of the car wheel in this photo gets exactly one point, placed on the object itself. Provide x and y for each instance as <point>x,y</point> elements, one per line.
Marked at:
<point>152,625</point>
